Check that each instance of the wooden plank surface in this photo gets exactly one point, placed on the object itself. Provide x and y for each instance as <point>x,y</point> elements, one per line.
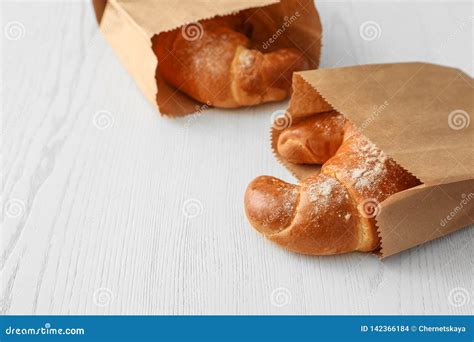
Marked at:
<point>110,209</point>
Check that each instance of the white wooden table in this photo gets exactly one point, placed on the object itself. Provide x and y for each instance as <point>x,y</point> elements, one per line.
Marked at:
<point>110,209</point>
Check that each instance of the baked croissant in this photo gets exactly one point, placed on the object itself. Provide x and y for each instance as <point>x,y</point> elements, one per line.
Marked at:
<point>219,67</point>
<point>331,212</point>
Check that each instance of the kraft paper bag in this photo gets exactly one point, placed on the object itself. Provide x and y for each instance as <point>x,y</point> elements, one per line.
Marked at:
<point>418,114</point>
<point>129,27</point>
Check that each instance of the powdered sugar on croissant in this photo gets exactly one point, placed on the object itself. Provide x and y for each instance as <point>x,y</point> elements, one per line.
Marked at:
<point>331,212</point>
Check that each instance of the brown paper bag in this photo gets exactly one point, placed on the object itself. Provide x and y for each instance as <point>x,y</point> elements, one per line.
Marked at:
<point>418,114</point>
<point>129,26</point>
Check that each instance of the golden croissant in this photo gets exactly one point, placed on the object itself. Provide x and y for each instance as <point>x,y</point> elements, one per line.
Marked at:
<point>219,66</point>
<point>331,212</point>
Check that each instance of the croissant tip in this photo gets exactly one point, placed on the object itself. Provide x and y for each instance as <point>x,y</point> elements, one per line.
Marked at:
<point>270,204</point>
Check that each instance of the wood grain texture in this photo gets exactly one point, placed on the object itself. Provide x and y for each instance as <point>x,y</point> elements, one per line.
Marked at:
<point>110,209</point>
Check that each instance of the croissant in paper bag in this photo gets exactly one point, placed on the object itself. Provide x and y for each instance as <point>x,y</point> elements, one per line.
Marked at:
<point>331,212</point>
<point>214,63</point>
